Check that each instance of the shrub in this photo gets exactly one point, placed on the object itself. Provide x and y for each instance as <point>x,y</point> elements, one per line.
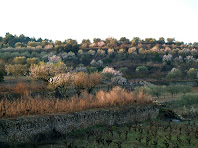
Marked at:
<point>124,69</point>
<point>31,61</point>
<point>26,54</point>
<point>20,60</point>
<point>21,89</point>
<point>15,54</point>
<point>37,105</point>
<point>86,81</point>
<point>189,99</point>
<point>5,56</point>
<point>16,69</point>
<point>35,54</point>
<point>145,90</point>
<point>92,69</point>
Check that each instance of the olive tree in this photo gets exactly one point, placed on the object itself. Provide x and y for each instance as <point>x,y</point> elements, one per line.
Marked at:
<point>142,71</point>
<point>174,74</point>
<point>192,73</point>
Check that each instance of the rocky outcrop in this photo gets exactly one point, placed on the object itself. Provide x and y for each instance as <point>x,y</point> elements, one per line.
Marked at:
<point>26,129</point>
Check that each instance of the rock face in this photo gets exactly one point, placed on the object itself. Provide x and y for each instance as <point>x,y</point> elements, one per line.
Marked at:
<point>26,129</point>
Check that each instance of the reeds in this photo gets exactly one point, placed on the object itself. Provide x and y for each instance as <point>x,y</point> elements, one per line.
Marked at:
<point>38,105</point>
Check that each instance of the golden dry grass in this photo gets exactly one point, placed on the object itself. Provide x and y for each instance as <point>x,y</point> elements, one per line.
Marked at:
<point>22,88</point>
<point>116,97</point>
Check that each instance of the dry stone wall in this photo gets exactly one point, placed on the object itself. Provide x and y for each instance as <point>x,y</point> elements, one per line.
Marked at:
<point>26,129</point>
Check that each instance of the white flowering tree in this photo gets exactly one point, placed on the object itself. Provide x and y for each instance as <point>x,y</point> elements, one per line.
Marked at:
<point>62,80</point>
<point>185,52</point>
<point>119,80</point>
<point>78,81</point>
<point>81,69</point>
<point>194,51</point>
<point>45,71</point>
<point>93,63</point>
<point>167,58</point>
<point>110,70</point>
<point>100,63</point>
<point>54,59</point>
<point>189,59</point>
<point>178,60</point>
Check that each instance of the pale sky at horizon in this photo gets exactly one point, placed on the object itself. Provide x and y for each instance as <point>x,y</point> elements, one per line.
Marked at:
<point>88,19</point>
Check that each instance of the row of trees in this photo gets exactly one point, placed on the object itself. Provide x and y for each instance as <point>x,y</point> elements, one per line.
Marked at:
<point>22,66</point>
<point>22,41</point>
<point>162,90</point>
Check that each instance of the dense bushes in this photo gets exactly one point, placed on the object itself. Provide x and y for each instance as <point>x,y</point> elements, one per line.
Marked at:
<point>16,69</point>
<point>189,99</point>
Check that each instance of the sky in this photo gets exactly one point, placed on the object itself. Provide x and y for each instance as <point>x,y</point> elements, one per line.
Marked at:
<point>88,19</point>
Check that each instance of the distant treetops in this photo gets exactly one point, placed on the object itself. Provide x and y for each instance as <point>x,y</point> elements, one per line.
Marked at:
<point>22,41</point>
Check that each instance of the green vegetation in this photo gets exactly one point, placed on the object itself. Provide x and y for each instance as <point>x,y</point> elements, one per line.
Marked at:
<point>39,76</point>
<point>149,134</point>
<point>189,99</point>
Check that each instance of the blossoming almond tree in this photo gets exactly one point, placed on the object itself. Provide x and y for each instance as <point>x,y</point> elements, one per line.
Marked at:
<point>45,71</point>
<point>111,71</point>
<point>79,81</point>
<point>62,80</point>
